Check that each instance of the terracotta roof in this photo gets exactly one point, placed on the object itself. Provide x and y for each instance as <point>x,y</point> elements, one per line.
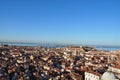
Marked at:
<point>118,66</point>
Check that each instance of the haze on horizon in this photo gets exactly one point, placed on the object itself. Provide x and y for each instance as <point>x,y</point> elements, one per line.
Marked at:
<point>64,21</point>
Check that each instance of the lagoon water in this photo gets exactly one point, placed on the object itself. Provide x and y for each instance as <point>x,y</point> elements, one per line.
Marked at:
<point>108,48</point>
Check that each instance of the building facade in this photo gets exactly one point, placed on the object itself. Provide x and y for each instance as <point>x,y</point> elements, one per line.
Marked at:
<point>92,76</point>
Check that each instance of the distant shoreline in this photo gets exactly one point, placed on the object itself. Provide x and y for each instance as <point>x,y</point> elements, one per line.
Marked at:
<point>54,45</point>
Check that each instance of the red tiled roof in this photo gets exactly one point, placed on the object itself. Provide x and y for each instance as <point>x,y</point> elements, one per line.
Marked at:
<point>118,66</point>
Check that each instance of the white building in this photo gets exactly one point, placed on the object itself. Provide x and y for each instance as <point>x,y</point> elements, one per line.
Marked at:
<point>89,75</point>
<point>108,76</point>
<point>115,69</point>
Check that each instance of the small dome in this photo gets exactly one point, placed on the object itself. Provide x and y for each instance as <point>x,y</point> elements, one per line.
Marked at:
<point>108,76</point>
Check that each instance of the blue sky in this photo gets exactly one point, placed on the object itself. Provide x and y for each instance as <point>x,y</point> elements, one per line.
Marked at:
<point>66,21</point>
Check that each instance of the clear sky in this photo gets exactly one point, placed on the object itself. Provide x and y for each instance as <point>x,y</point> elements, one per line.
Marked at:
<point>66,21</point>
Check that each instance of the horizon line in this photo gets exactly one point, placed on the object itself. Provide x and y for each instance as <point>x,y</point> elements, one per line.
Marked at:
<point>56,43</point>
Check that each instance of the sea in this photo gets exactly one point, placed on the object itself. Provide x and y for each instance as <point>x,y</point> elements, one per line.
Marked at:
<point>53,45</point>
<point>108,48</point>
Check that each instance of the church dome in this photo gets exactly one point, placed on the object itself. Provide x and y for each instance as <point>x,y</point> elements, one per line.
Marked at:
<point>108,76</point>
